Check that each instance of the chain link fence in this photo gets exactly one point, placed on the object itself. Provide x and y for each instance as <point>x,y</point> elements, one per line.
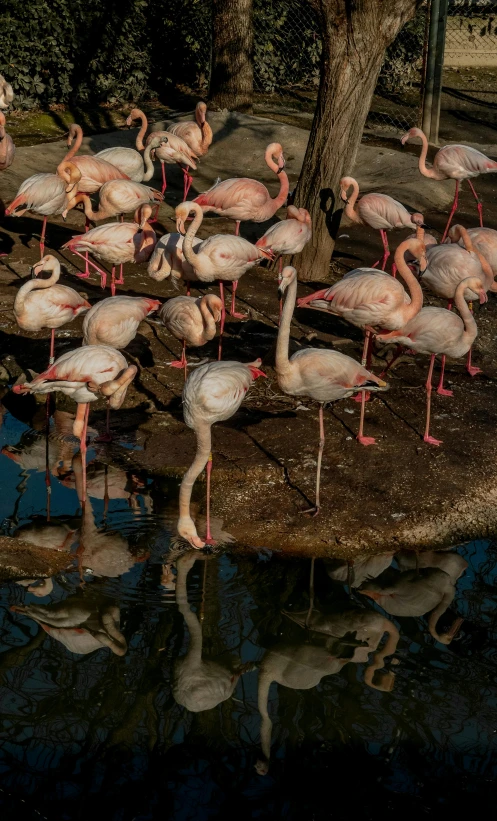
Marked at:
<point>469,98</point>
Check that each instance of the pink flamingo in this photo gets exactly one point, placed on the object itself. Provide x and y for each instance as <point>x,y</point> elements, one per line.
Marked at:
<point>85,374</point>
<point>42,303</point>
<point>244,199</point>
<point>219,257</point>
<point>212,393</point>
<point>379,211</point>
<point>46,194</point>
<point>6,92</point>
<point>447,266</point>
<point>483,240</point>
<point>7,147</point>
<point>197,133</point>
<point>114,321</point>
<point>192,321</point>
<point>370,299</point>
<point>130,162</point>
<point>116,243</point>
<point>94,172</point>
<point>436,331</point>
<point>168,260</point>
<point>288,236</point>
<point>325,376</point>
<point>167,147</point>
<point>454,162</point>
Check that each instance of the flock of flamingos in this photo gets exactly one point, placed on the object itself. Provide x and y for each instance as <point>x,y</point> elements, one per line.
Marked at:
<point>459,269</point>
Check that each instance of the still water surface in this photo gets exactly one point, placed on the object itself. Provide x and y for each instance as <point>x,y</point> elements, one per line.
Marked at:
<point>146,683</point>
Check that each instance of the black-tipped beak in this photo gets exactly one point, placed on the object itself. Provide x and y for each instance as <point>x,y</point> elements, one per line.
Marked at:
<point>281,291</point>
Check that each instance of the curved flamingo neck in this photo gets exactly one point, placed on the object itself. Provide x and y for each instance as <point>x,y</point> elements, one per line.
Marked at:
<point>204,445</point>
<point>188,251</point>
<point>437,613</point>
<point>470,328</point>
<point>282,360</point>
<point>87,207</point>
<point>137,114</point>
<point>427,172</point>
<point>409,310</point>
<point>206,135</point>
<point>36,285</point>
<point>350,211</point>
<point>379,657</point>
<point>206,307</point>
<point>74,131</point>
<point>459,232</point>
<point>52,265</point>
<point>147,161</point>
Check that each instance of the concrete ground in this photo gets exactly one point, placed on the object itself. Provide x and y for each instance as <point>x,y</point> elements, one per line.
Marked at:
<point>399,493</point>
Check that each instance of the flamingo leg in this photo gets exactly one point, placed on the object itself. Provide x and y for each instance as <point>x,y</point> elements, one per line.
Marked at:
<point>386,249</point>
<point>398,353</point>
<point>430,440</point>
<point>453,211</point>
<point>208,470</point>
<point>42,238</point>
<point>87,228</point>
<point>103,274</point>
<point>52,347</point>
<point>280,268</point>
<point>83,448</point>
<point>234,313</point>
<point>181,363</point>
<point>223,319</point>
<point>113,281</point>
<point>237,228</point>
<point>471,369</point>
<point>441,390</point>
<point>478,202</point>
<point>187,181</point>
<point>364,396</point>
<point>120,281</point>
<point>364,440</point>
<point>164,181</point>
<point>315,510</point>
<point>107,436</point>
<point>187,287</point>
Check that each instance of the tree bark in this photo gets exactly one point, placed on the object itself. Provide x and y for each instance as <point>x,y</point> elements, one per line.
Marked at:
<point>355,34</point>
<point>232,77</point>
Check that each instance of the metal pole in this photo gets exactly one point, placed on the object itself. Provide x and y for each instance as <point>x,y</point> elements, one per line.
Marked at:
<point>429,80</point>
<point>439,64</point>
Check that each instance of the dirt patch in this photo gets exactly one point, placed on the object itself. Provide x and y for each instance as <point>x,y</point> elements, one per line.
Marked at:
<point>20,560</point>
<point>400,493</point>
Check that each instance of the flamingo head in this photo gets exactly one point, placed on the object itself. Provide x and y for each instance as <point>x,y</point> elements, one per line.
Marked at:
<point>187,530</point>
<point>475,284</point>
<point>70,173</point>
<point>153,305</point>
<point>413,132</point>
<point>48,261</point>
<point>255,370</point>
<point>274,151</point>
<point>200,112</point>
<point>345,184</point>
<point>215,306</point>
<point>288,275</point>
<point>447,637</point>
<point>182,213</point>
<point>74,131</point>
<point>142,215</point>
<point>417,219</point>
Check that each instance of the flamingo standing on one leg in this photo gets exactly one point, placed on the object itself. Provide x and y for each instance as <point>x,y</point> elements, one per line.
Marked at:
<point>116,243</point>
<point>447,266</point>
<point>454,162</point>
<point>46,194</point>
<point>42,303</point>
<point>289,236</point>
<point>7,147</point>
<point>379,211</point>
<point>244,199</point>
<point>220,257</point>
<point>370,299</point>
<point>212,393</point>
<point>325,376</point>
<point>192,321</point>
<point>435,331</point>
<point>85,374</point>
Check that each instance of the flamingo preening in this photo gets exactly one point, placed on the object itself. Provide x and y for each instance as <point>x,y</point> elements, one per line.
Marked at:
<point>46,194</point>
<point>43,303</point>
<point>85,374</point>
<point>242,198</point>
<point>168,260</point>
<point>197,133</point>
<point>454,162</point>
<point>378,211</point>
<point>325,376</point>
<point>212,393</point>
<point>192,321</point>
<point>114,321</point>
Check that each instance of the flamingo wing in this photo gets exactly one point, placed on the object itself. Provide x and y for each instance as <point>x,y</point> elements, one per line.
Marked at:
<point>241,192</point>
<point>461,162</point>
<point>383,212</point>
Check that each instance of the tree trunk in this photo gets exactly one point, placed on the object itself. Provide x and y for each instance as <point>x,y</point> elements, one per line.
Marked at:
<point>355,34</point>
<point>232,78</point>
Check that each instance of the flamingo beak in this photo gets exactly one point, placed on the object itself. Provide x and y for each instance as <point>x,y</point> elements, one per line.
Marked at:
<point>423,264</point>
<point>483,297</point>
<point>180,227</point>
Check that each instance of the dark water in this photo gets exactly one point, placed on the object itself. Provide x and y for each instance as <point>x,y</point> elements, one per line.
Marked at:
<point>158,681</point>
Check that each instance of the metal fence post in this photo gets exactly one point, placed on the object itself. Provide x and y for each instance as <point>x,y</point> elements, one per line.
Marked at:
<point>432,90</point>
